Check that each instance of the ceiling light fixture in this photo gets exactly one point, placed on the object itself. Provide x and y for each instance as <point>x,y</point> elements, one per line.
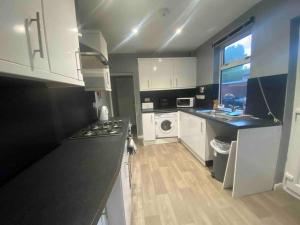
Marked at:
<point>135,31</point>
<point>178,31</point>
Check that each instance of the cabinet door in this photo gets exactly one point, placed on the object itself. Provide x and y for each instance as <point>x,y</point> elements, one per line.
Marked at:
<point>22,34</point>
<point>126,187</point>
<point>183,127</point>
<point>292,171</point>
<point>193,133</point>
<point>148,126</point>
<point>155,73</point>
<point>185,71</point>
<point>107,80</point>
<point>62,37</point>
<point>161,76</point>
<point>115,204</point>
<point>144,74</point>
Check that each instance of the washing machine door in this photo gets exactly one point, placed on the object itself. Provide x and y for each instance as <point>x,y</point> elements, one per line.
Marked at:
<point>166,127</point>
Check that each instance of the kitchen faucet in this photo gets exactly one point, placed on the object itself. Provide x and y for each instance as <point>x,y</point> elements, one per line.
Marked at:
<point>232,106</point>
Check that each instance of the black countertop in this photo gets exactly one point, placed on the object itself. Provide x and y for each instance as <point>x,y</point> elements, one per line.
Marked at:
<point>69,186</point>
<point>242,123</point>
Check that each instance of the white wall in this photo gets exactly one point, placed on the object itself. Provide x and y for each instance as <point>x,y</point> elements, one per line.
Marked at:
<point>270,45</point>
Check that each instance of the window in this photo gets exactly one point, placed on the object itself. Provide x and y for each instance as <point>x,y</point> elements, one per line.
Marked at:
<point>234,73</point>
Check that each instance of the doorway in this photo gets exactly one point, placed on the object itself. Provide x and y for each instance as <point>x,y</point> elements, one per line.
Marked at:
<point>123,99</point>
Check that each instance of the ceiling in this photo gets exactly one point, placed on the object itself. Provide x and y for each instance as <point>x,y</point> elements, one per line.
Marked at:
<point>157,22</point>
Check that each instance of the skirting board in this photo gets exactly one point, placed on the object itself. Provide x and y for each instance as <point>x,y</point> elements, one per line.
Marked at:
<point>278,186</point>
<point>191,151</point>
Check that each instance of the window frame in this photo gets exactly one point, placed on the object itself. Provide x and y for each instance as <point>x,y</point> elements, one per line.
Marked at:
<point>222,66</point>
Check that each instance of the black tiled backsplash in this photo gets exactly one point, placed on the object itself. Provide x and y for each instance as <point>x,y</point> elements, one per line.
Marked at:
<point>211,92</point>
<point>166,98</point>
<point>275,91</point>
<point>35,118</point>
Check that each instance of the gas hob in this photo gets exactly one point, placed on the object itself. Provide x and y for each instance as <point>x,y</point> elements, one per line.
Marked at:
<point>100,129</point>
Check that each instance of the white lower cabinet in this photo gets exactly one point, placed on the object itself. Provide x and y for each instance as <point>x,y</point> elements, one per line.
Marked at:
<point>148,126</point>
<point>118,206</point>
<point>193,134</point>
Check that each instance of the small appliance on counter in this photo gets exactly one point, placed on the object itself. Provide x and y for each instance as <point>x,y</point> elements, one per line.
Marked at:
<point>147,105</point>
<point>185,102</point>
<point>103,113</point>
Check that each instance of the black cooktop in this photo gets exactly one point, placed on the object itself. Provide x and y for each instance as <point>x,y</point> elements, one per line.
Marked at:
<point>100,129</point>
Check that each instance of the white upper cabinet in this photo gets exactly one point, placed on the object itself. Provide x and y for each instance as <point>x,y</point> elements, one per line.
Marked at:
<point>22,35</point>
<point>155,73</point>
<point>167,73</point>
<point>38,40</point>
<point>161,72</point>
<point>62,37</point>
<point>185,72</point>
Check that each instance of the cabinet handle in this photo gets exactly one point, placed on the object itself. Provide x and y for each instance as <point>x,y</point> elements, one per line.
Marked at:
<point>171,82</point>
<point>108,80</point>
<point>176,82</point>
<point>38,25</point>
<point>297,114</point>
<point>77,68</point>
<point>201,127</point>
<point>148,83</point>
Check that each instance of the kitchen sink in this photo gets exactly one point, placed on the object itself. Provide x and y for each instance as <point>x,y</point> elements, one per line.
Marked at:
<point>223,115</point>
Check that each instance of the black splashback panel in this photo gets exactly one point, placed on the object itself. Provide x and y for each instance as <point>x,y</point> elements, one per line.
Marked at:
<point>275,91</point>
<point>34,119</point>
<point>211,92</point>
<point>72,109</point>
<point>27,131</point>
<point>166,98</point>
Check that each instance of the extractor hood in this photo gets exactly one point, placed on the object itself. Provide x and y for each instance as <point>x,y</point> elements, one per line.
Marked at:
<point>86,51</point>
<point>93,48</point>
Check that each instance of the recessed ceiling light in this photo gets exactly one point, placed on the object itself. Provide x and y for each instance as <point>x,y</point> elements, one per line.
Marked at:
<point>135,31</point>
<point>154,68</point>
<point>178,31</point>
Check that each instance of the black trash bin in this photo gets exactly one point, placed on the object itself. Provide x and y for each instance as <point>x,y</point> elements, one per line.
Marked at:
<point>221,146</point>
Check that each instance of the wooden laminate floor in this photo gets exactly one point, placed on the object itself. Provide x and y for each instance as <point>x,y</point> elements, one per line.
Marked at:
<point>170,187</point>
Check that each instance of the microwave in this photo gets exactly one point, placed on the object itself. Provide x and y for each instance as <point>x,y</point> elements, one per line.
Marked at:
<point>185,102</point>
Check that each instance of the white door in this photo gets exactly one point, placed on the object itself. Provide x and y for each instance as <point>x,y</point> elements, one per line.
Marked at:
<point>292,170</point>
<point>148,126</point>
<point>185,72</point>
<point>62,37</point>
<point>22,34</point>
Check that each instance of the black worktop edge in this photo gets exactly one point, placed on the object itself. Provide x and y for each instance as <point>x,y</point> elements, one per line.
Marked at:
<point>108,188</point>
<point>251,123</point>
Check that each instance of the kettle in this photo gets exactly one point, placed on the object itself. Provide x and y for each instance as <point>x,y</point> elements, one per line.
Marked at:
<point>103,113</point>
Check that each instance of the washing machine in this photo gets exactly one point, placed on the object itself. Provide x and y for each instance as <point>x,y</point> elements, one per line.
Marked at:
<point>166,125</point>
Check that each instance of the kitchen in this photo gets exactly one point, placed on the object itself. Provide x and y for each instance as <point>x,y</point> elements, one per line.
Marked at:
<point>149,112</point>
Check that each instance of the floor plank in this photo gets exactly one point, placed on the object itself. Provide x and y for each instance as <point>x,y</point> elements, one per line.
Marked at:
<point>170,187</point>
